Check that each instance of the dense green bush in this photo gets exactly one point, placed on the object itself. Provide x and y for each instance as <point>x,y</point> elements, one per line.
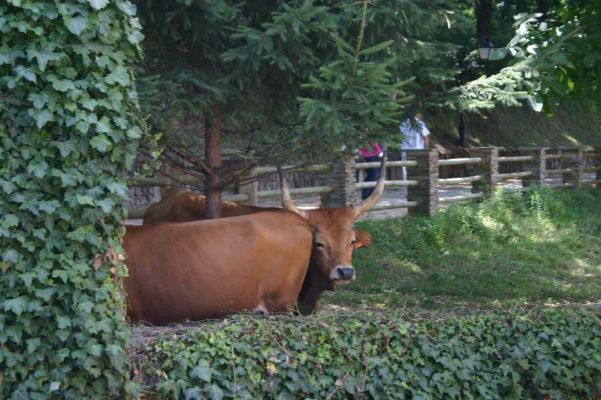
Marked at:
<point>504,355</point>
<point>68,134</point>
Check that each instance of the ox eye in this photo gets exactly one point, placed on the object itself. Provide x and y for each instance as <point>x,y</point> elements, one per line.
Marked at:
<point>353,243</point>
<point>320,245</point>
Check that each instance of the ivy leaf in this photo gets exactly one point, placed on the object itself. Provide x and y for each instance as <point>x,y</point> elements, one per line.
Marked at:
<point>65,148</point>
<point>100,143</point>
<point>33,344</point>
<point>49,206</point>
<point>41,117</point>
<point>106,205</point>
<point>202,372</point>
<point>38,169</point>
<point>193,393</point>
<point>98,4</point>
<point>89,104</point>
<point>82,199</point>
<point>39,100</point>
<point>76,25</point>
<point>10,256</point>
<point>127,7</point>
<point>119,75</point>
<point>119,189</point>
<point>104,125</point>
<point>215,392</point>
<point>135,37</point>
<point>26,73</point>
<point>7,186</point>
<point>43,57</point>
<point>63,85</point>
<point>17,305</point>
<point>134,133</point>
<point>10,220</point>
<point>54,386</point>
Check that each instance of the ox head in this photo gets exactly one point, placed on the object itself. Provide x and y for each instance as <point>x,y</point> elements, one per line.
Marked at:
<point>334,238</point>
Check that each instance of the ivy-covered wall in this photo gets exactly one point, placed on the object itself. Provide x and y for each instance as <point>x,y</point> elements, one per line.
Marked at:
<point>514,354</point>
<point>68,134</point>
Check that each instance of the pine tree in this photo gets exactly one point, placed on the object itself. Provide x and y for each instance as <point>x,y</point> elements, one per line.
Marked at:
<point>293,78</point>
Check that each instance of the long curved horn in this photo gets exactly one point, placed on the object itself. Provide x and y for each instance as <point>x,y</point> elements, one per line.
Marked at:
<point>373,199</point>
<point>287,203</point>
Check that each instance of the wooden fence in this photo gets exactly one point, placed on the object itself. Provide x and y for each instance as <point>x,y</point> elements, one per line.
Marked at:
<point>560,167</point>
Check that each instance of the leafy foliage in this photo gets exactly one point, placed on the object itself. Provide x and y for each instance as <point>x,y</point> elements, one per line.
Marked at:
<point>68,135</point>
<point>288,74</point>
<point>556,57</point>
<point>503,355</point>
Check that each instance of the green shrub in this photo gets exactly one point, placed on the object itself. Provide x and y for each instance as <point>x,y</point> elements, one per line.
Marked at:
<point>68,135</point>
<point>502,355</point>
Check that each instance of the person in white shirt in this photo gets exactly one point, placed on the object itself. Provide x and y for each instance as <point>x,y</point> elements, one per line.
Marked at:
<point>415,136</point>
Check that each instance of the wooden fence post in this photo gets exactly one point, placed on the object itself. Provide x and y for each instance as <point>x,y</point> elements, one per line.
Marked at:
<point>538,166</point>
<point>342,180</point>
<point>596,163</point>
<point>488,168</point>
<point>562,163</point>
<point>251,187</point>
<point>576,165</point>
<point>426,174</point>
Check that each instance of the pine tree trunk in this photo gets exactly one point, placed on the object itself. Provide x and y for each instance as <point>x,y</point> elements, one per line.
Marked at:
<point>213,160</point>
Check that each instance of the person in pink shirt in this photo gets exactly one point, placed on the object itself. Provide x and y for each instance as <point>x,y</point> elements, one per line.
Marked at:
<point>371,153</point>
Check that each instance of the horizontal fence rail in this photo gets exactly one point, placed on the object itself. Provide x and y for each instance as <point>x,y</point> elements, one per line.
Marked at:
<point>310,168</point>
<point>364,185</point>
<point>459,161</point>
<point>454,181</point>
<point>453,199</point>
<point>513,175</point>
<point>570,167</point>
<point>376,164</point>
<point>515,159</point>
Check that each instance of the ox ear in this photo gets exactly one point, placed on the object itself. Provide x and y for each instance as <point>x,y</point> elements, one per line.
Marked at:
<point>362,239</point>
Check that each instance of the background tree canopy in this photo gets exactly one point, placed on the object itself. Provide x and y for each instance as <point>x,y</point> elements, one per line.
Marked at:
<point>557,53</point>
<point>289,80</point>
<point>289,72</point>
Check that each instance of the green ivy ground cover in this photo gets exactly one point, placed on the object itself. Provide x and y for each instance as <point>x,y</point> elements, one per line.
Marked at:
<point>516,354</point>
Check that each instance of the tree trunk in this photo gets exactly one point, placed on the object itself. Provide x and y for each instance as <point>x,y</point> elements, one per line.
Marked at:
<point>213,160</point>
<point>521,6</point>
<point>543,8</point>
<point>484,19</point>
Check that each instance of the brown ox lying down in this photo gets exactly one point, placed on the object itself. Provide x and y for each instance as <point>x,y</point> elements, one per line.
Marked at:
<point>184,206</point>
<point>267,261</point>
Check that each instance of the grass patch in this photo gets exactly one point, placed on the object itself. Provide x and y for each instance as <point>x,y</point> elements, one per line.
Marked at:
<point>543,246</point>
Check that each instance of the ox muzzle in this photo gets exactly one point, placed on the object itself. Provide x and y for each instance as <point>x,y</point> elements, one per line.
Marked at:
<point>343,273</point>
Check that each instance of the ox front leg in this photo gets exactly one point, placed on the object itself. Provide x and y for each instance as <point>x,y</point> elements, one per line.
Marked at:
<point>261,309</point>
<point>275,305</point>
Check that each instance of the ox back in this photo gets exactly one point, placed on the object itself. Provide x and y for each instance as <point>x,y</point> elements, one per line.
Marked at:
<point>183,206</point>
<point>211,268</point>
